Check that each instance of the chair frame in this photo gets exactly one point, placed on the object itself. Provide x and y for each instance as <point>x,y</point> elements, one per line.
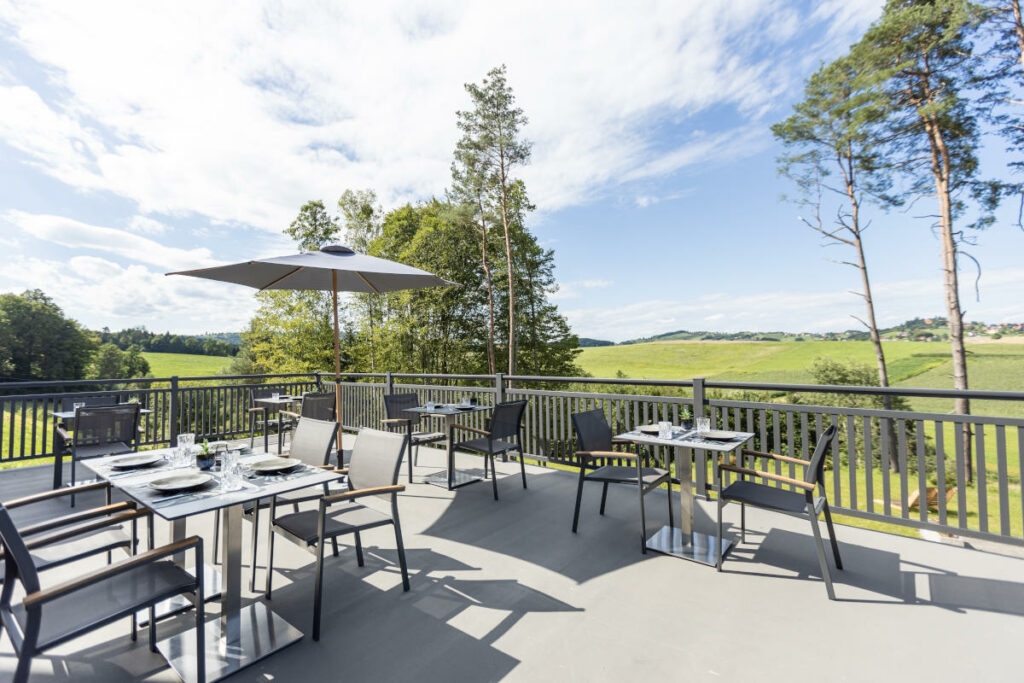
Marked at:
<point>587,457</point>
<point>491,452</point>
<point>316,548</point>
<point>19,568</point>
<point>813,507</point>
<point>409,423</point>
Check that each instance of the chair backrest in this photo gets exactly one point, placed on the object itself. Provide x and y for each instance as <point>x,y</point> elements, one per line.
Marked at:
<point>376,458</point>
<point>67,404</point>
<point>319,406</point>
<point>313,440</point>
<point>107,424</point>
<point>506,419</point>
<point>396,407</point>
<point>17,564</point>
<point>814,470</point>
<point>592,431</point>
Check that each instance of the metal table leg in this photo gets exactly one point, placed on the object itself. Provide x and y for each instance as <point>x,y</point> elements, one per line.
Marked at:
<point>450,478</point>
<point>683,541</point>
<point>242,635</point>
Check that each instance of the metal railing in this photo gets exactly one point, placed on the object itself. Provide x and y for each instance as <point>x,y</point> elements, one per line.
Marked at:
<point>904,467</point>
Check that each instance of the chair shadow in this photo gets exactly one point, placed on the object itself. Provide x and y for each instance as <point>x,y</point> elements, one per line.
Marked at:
<point>879,572</point>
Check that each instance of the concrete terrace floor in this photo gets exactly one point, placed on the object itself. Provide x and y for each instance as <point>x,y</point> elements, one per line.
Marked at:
<point>504,591</point>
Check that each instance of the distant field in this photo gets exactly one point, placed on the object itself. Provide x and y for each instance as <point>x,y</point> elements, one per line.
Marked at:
<point>185,364</point>
<point>918,364</point>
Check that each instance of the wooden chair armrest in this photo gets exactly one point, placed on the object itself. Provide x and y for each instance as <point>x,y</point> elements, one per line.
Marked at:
<point>64,535</point>
<point>472,429</point>
<point>262,409</point>
<point>395,420</point>
<point>289,413</point>
<point>48,594</point>
<point>56,493</point>
<point>324,467</point>
<point>64,434</point>
<point>359,493</point>
<point>75,518</point>
<point>769,475</point>
<point>342,470</point>
<point>776,456</point>
<point>608,454</point>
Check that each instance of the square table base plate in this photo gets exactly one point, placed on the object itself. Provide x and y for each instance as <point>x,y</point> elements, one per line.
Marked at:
<point>179,603</point>
<point>263,632</point>
<point>458,479</point>
<point>697,547</point>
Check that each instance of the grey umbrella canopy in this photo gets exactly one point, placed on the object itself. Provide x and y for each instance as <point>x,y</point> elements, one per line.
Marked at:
<point>335,268</point>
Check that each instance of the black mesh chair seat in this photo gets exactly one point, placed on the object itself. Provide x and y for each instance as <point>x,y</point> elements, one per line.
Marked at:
<point>345,520</point>
<point>483,445</point>
<point>620,474</point>
<point>769,497</point>
<point>108,600</point>
<point>98,450</point>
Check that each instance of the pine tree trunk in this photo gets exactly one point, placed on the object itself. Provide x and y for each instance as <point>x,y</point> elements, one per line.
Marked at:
<point>509,269</point>
<point>940,166</point>
<point>490,290</point>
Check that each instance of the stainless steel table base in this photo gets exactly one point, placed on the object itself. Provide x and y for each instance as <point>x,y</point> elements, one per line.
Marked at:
<point>458,479</point>
<point>696,546</point>
<point>179,603</point>
<point>261,633</point>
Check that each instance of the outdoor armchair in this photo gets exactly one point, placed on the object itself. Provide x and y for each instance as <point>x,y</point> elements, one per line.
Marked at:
<point>800,501</point>
<point>261,419</point>
<point>312,443</point>
<point>503,434</point>
<point>396,407</point>
<point>594,441</point>
<point>101,431</point>
<point>319,406</point>
<point>47,617</point>
<point>373,471</point>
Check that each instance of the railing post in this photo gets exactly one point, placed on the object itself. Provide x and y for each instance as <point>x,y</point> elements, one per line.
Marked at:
<point>698,397</point>
<point>389,383</point>
<point>499,387</point>
<point>173,437</point>
<point>319,381</point>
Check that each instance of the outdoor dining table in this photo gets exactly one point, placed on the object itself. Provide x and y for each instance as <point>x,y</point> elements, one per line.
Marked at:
<point>683,541</point>
<point>279,403</point>
<point>450,478</point>
<point>241,635</point>
<point>67,418</point>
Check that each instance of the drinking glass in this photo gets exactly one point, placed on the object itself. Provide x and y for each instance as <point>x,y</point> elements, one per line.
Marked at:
<point>664,430</point>
<point>465,401</point>
<point>183,454</point>
<point>276,395</point>
<point>230,471</point>
<point>702,424</point>
<point>78,404</point>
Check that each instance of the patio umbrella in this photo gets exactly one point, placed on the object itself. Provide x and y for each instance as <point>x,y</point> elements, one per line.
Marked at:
<point>335,268</point>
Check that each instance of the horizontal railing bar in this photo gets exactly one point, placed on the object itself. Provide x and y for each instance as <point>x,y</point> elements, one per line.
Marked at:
<point>878,391</point>
<point>958,418</point>
<point>594,380</point>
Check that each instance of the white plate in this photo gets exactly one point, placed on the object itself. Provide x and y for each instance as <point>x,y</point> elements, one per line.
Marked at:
<point>272,465</point>
<point>717,435</point>
<point>136,460</point>
<point>180,482</point>
<point>648,429</point>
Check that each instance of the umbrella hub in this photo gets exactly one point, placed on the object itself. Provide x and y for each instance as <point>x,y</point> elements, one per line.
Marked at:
<point>336,249</point>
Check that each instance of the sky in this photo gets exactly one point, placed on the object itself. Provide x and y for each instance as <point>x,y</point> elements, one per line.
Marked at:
<point>137,139</point>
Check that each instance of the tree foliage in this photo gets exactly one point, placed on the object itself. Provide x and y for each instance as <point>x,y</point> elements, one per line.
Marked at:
<point>37,342</point>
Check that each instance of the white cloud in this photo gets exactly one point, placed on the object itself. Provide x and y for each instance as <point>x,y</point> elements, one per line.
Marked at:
<point>243,113</point>
<point>119,296</point>
<point>148,226</point>
<point>794,311</point>
<point>77,235</point>
<point>572,290</point>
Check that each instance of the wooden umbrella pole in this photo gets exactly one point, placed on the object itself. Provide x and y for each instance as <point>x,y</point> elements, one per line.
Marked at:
<point>337,366</point>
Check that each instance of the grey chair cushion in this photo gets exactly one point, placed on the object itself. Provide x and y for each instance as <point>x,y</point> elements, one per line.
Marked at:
<point>85,546</point>
<point>767,497</point>
<point>625,475</point>
<point>427,437</point>
<point>340,520</point>
<point>75,611</point>
<point>102,449</point>
<point>481,445</point>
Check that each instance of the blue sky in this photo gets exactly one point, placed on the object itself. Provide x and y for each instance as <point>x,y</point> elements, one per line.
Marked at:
<point>137,140</point>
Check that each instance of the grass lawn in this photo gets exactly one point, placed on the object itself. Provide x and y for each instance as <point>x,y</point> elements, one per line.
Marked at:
<point>185,364</point>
